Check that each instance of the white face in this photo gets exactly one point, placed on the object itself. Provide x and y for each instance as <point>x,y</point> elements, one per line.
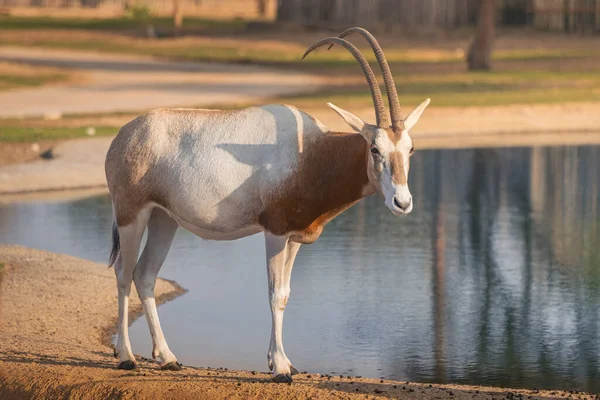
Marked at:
<point>389,163</point>
<point>389,157</point>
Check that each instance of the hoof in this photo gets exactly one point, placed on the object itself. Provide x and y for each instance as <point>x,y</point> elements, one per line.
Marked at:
<point>115,354</point>
<point>294,370</point>
<point>283,378</point>
<point>172,366</point>
<point>128,365</point>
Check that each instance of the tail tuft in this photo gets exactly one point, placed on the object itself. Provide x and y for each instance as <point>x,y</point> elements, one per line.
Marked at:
<point>114,253</point>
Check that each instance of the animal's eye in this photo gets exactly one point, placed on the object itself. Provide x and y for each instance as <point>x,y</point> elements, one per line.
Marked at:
<point>412,150</point>
<point>374,150</point>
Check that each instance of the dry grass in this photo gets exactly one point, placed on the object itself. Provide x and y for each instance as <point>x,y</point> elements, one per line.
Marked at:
<point>14,75</point>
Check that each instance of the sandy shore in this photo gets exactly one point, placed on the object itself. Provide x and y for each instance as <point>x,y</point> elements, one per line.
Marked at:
<point>57,314</point>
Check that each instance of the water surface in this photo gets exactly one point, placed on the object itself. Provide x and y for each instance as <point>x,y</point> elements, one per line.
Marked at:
<point>493,279</point>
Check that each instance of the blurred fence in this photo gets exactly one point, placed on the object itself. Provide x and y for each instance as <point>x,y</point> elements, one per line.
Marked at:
<point>245,9</point>
<point>567,15</point>
<point>555,15</point>
<point>379,15</point>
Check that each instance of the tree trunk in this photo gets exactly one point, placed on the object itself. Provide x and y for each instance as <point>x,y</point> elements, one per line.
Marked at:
<point>177,16</point>
<point>480,52</point>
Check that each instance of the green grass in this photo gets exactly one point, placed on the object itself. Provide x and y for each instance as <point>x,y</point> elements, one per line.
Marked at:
<point>10,81</point>
<point>242,52</point>
<point>11,133</point>
<point>471,89</point>
<point>533,75</point>
<point>237,51</point>
<point>112,24</point>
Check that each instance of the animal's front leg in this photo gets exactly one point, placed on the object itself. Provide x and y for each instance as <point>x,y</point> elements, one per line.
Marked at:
<point>280,259</point>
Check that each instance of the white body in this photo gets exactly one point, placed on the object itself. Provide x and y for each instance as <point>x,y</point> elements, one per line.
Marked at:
<point>223,176</point>
<point>229,174</point>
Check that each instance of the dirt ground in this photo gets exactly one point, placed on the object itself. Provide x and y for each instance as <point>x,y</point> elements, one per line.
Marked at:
<point>57,314</point>
<point>16,153</point>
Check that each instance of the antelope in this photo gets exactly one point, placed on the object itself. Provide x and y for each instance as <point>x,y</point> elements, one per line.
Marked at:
<point>224,175</point>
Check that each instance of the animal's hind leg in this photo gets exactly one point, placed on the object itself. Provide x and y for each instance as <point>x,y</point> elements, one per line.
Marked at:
<point>161,230</point>
<point>130,237</point>
<point>290,255</point>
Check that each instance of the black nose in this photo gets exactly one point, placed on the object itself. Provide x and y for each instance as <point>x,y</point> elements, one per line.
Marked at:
<point>402,206</point>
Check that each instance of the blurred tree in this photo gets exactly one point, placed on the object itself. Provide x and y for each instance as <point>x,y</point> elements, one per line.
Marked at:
<point>177,16</point>
<point>480,52</point>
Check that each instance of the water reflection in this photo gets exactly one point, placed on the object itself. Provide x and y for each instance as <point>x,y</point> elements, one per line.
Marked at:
<point>493,279</point>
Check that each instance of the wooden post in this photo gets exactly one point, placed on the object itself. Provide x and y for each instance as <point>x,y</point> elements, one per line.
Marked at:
<point>261,6</point>
<point>177,16</point>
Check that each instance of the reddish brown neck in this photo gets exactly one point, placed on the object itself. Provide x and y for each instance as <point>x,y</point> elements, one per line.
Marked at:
<point>331,177</point>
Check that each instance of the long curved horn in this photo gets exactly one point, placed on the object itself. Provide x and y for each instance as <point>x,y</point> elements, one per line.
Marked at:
<point>380,114</point>
<point>390,86</point>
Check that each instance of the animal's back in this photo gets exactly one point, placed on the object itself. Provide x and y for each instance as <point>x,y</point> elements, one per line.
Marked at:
<point>210,169</point>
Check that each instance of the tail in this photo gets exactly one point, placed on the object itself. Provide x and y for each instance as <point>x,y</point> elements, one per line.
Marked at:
<point>116,247</point>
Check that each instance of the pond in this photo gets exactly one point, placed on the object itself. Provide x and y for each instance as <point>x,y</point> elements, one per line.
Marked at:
<point>493,279</point>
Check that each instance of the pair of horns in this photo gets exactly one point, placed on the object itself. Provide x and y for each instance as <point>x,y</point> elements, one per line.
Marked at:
<point>390,86</point>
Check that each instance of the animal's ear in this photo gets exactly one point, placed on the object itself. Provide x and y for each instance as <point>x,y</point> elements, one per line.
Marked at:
<point>414,116</point>
<point>355,123</point>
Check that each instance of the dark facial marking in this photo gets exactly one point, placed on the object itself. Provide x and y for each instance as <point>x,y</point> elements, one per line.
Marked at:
<point>397,168</point>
